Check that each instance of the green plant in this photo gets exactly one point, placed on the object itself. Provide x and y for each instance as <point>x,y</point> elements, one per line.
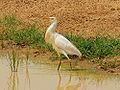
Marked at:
<point>25,36</point>
<point>96,47</point>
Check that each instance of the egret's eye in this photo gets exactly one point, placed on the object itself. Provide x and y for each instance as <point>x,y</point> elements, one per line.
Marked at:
<point>52,18</point>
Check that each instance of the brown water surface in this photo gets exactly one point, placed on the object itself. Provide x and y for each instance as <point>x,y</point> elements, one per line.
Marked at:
<point>33,75</point>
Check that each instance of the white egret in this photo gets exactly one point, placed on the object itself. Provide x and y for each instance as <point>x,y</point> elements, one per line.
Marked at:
<point>60,43</point>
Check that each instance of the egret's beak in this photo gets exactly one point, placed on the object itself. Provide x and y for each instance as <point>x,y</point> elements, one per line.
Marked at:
<point>47,18</point>
<point>50,17</point>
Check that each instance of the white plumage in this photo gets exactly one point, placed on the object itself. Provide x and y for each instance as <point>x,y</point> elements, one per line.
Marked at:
<point>64,44</point>
<point>59,42</point>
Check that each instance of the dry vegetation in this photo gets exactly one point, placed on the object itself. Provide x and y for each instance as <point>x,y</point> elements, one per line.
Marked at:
<point>84,17</point>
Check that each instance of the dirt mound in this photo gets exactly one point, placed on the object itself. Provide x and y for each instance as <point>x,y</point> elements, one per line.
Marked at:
<point>83,17</point>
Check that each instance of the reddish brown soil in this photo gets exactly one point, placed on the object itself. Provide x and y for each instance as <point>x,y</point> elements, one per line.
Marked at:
<point>82,17</point>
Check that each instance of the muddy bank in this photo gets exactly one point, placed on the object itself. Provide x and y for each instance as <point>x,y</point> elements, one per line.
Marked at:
<point>106,64</point>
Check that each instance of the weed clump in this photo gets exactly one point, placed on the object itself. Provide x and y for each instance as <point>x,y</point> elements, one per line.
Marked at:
<point>20,34</point>
<point>98,47</point>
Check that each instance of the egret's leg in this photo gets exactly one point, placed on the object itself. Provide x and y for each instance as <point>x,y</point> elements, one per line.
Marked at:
<point>68,59</point>
<point>59,65</point>
<point>59,62</point>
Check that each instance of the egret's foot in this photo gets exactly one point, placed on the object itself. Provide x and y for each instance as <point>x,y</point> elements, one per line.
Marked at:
<point>59,65</point>
<point>70,65</point>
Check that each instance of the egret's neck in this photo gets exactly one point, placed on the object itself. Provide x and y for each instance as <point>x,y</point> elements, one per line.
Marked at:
<point>52,27</point>
<point>49,33</point>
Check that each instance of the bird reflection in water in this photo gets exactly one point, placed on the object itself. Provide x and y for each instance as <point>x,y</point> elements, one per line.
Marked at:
<point>68,85</point>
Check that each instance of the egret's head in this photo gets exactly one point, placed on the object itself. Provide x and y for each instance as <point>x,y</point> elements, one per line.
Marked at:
<point>53,19</point>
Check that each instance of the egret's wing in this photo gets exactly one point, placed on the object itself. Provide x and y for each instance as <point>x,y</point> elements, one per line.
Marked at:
<point>62,43</point>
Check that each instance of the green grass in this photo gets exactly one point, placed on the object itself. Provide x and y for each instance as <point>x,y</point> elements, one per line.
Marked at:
<point>96,47</point>
<point>18,32</point>
<point>23,35</point>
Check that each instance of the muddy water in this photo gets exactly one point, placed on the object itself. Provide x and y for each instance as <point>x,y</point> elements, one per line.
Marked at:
<point>33,75</point>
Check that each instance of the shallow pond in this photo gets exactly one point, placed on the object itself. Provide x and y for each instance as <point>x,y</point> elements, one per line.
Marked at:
<point>33,75</point>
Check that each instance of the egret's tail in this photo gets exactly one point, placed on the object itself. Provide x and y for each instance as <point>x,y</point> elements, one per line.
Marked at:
<point>80,54</point>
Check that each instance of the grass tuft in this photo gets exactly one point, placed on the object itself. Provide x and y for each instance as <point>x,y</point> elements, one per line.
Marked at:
<point>14,30</point>
<point>96,47</point>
